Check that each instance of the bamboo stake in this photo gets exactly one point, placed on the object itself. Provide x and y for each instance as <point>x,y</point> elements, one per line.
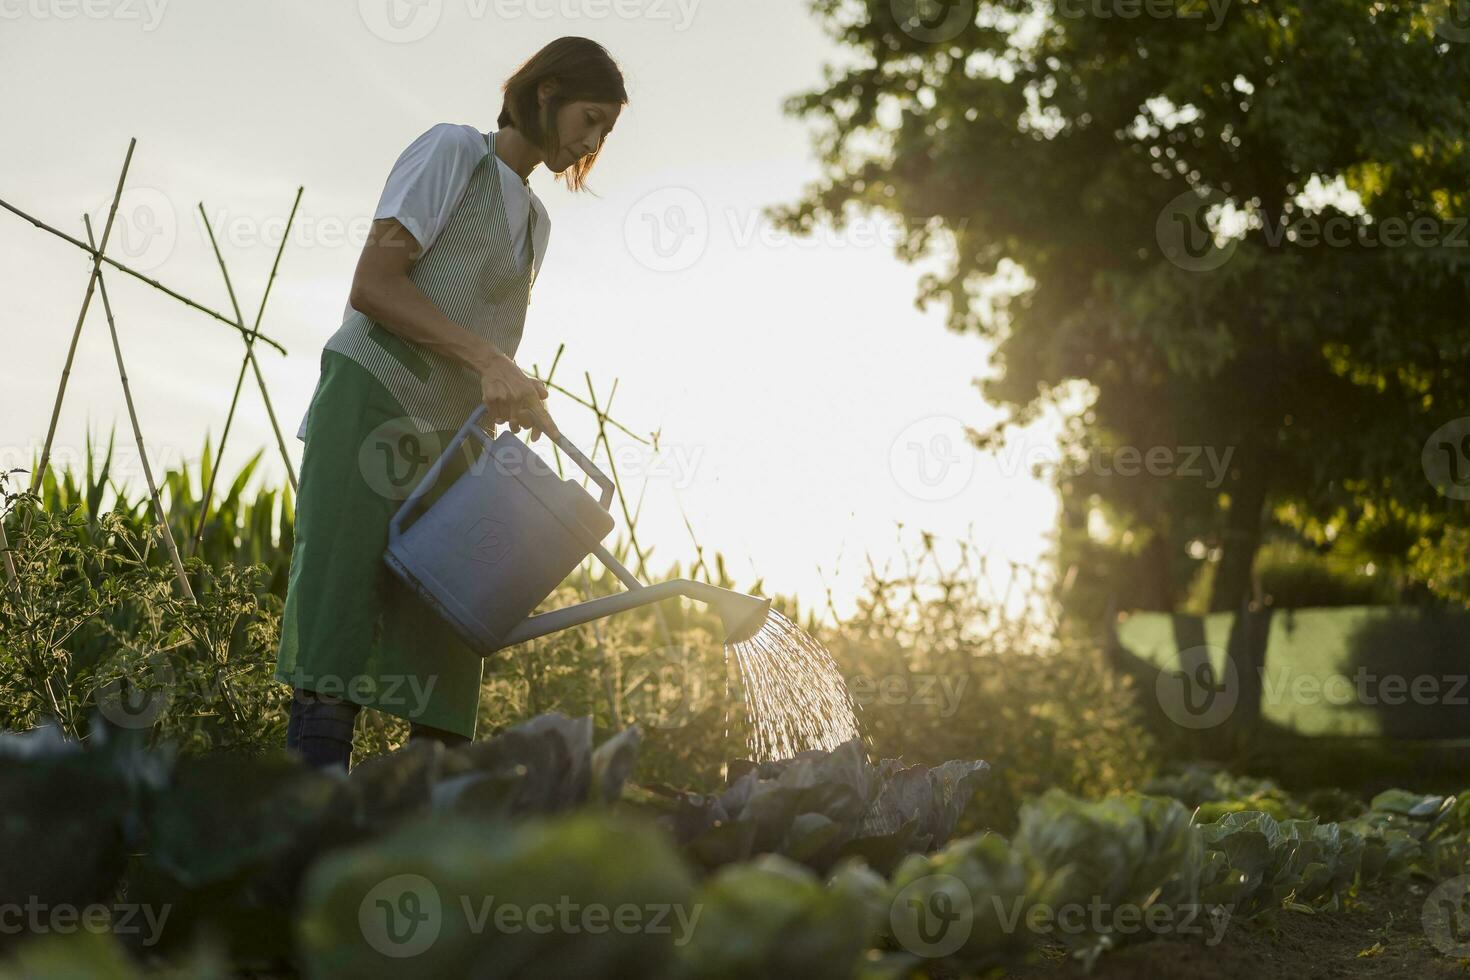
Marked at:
<point>76,333</point>
<point>536,370</point>
<point>249,358</point>
<point>642,495</point>
<point>699,561</point>
<point>198,537</point>
<point>249,337</point>
<point>132,272</point>
<point>122,371</point>
<point>224,438</point>
<point>610,420</point>
<point>612,467</point>
<point>10,574</point>
<point>606,674</point>
<point>613,680</point>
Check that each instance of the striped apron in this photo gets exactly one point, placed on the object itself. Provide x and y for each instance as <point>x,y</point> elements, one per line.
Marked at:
<point>383,409</point>
<point>472,275</point>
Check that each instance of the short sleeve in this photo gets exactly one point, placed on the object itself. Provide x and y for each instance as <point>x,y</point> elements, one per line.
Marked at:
<point>543,231</point>
<point>428,179</point>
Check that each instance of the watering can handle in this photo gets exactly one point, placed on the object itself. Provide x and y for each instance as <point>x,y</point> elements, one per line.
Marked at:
<point>603,481</point>
<point>406,509</point>
<point>588,467</point>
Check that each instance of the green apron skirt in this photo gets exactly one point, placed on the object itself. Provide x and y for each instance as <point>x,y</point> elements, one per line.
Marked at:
<point>351,628</point>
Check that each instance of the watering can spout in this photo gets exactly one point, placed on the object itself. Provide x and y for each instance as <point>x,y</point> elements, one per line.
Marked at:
<point>741,615</point>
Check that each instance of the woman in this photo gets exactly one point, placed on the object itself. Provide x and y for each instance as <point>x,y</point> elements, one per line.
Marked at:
<point>433,321</point>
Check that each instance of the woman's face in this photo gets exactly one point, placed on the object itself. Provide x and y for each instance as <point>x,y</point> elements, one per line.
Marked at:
<point>581,126</point>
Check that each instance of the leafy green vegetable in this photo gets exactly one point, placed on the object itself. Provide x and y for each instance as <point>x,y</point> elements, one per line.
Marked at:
<point>68,811</point>
<point>819,807</point>
<point>771,917</point>
<point>1125,856</point>
<point>1267,864</point>
<point>966,905</point>
<point>1215,793</point>
<point>586,895</point>
<point>100,956</point>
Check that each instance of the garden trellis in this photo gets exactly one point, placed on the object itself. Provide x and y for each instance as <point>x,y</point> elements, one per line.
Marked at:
<point>96,283</point>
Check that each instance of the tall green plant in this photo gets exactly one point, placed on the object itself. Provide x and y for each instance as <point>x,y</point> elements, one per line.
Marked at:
<point>96,624</point>
<point>240,529</point>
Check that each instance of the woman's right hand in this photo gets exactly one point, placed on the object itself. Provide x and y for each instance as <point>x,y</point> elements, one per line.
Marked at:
<point>511,396</point>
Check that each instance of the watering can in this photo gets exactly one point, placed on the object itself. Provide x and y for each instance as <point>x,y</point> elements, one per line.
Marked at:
<point>509,531</point>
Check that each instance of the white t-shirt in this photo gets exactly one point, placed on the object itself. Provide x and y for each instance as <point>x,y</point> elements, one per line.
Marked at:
<point>429,179</point>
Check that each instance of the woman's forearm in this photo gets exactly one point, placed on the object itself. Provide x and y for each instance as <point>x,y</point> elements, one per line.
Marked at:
<point>399,304</point>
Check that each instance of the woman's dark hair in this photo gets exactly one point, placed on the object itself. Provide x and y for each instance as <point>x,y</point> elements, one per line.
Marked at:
<point>583,72</point>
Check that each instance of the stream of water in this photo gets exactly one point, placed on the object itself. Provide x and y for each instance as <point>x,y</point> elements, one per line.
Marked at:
<point>795,697</point>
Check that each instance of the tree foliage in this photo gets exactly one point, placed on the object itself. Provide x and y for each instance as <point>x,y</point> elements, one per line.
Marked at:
<point>1238,226</point>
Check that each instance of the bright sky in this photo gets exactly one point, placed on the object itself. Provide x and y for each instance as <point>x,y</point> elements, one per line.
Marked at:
<point>806,406</point>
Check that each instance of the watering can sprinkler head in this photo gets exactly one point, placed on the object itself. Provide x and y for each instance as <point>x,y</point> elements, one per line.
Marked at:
<point>742,615</point>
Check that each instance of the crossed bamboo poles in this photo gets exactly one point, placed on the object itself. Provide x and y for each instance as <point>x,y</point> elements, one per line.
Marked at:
<point>95,283</point>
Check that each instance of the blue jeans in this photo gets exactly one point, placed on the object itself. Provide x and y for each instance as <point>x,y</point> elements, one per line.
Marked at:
<point>319,729</point>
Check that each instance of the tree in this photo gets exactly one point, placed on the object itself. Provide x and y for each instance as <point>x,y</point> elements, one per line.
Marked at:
<point>1240,226</point>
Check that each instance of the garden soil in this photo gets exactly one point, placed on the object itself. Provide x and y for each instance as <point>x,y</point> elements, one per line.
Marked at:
<point>1377,935</point>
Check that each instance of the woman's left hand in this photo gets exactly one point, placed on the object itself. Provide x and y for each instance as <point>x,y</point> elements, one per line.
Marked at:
<point>536,419</point>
